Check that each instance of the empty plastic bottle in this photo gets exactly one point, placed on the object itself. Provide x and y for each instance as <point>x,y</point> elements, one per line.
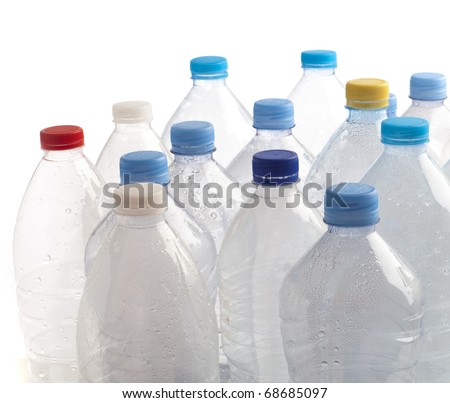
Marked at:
<point>351,309</point>
<point>428,92</point>
<point>60,208</point>
<point>151,166</point>
<point>273,119</point>
<point>211,100</point>
<point>392,108</point>
<point>145,314</point>
<point>269,234</point>
<point>198,183</point>
<point>318,100</point>
<point>133,132</point>
<point>415,211</point>
<point>355,146</point>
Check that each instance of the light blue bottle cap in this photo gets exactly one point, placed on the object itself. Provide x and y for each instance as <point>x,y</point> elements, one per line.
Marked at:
<point>351,205</point>
<point>273,114</point>
<point>392,108</point>
<point>404,131</point>
<point>275,167</point>
<point>144,166</point>
<point>428,87</point>
<point>319,59</point>
<point>209,68</point>
<point>192,137</point>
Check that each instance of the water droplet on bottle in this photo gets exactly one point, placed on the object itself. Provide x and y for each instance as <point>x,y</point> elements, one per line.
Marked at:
<point>321,335</point>
<point>213,215</point>
<point>336,349</point>
<point>39,279</point>
<point>324,364</point>
<point>336,363</point>
<point>68,210</point>
<point>48,258</point>
<point>41,375</point>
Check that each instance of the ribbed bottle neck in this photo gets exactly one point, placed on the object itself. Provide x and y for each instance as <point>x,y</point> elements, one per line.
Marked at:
<point>216,82</point>
<point>132,127</point>
<point>192,159</point>
<point>427,104</point>
<point>351,232</point>
<point>366,115</point>
<point>405,150</point>
<point>139,221</point>
<point>273,133</point>
<point>63,155</point>
<point>310,71</point>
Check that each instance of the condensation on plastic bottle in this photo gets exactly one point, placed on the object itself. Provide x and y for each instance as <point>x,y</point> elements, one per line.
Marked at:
<point>415,211</point>
<point>355,145</point>
<point>61,207</point>
<point>273,119</point>
<point>351,309</point>
<point>428,92</point>
<point>392,108</point>
<point>318,100</point>
<point>132,132</point>
<point>145,315</point>
<point>271,231</point>
<point>151,166</point>
<point>211,100</point>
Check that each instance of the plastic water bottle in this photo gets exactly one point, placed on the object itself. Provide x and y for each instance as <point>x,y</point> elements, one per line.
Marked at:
<point>318,100</point>
<point>211,100</point>
<point>151,166</point>
<point>133,132</point>
<point>273,119</point>
<point>199,183</point>
<point>428,92</point>
<point>145,314</point>
<point>61,207</point>
<point>392,108</point>
<point>270,232</point>
<point>351,309</point>
<point>355,146</point>
<point>415,211</point>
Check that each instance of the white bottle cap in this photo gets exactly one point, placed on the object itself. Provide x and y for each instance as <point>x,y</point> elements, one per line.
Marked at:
<point>141,199</point>
<point>132,112</point>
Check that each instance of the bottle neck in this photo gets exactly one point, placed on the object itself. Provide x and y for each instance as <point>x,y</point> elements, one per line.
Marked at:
<point>192,159</point>
<point>134,127</point>
<point>216,82</point>
<point>318,72</point>
<point>428,104</point>
<point>415,150</point>
<point>139,221</point>
<point>351,232</point>
<point>276,192</point>
<point>63,155</point>
<point>366,115</point>
<point>273,133</point>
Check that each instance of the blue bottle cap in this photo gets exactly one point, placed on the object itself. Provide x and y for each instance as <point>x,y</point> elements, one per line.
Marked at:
<point>404,131</point>
<point>144,166</point>
<point>351,205</point>
<point>392,108</point>
<point>209,68</point>
<point>275,167</point>
<point>428,87</point>
<point>192,137</point>
<point>319,59</point>
<point>273,114</point>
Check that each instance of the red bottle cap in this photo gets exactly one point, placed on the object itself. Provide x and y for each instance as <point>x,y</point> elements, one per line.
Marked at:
<point>62,137</point>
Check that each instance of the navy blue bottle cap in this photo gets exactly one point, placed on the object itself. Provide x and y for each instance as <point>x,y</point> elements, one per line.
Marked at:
<point>319,59</point>
<point>403,131</point>
<point>351,205</point>
<point>273,114</point>
<point>144,166</point>
<point>428,87</point>
<point>391,110</point>
<point>275,167</point>
<point>193,137</point>
<point>209,68</point>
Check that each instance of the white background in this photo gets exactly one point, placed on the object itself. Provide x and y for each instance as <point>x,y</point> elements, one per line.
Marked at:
<point>67,62</point>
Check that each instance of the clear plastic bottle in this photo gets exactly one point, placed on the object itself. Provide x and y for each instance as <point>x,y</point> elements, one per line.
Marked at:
<point>428,92</point>
<point>273,119</point>
<point>145,314</point>
<point>415,211</point>
<point>351,309</point>
<point>318,100</point>
<point>60,208</point>
<point>355,146</point>
<point>392,108</point>
<point>211,100</point>
<point>198,183</point>
<point>133,132</point>
<point>270,232</point>
<point>151,166</point>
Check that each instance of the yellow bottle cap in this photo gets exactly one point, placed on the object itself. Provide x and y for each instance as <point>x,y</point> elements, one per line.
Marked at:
<point>367,93</point>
